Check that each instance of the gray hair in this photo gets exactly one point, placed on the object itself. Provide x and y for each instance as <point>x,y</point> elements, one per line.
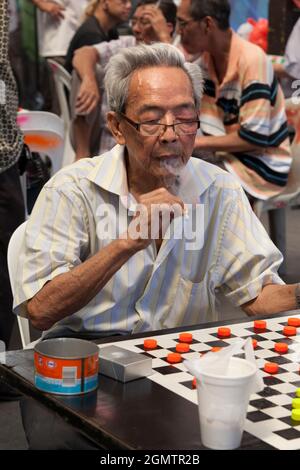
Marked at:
<point>121,67</point>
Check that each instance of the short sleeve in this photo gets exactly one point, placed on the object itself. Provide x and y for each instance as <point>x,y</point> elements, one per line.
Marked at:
<point>107,49</point>
<point>56,240</point>
<point>259,92</point>
<point>247,258</point>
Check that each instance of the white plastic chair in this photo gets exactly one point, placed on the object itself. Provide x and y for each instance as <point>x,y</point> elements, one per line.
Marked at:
<point>13,252</point>
<point>62,80</point>
<point>291,195</point>
<point>43,133</point>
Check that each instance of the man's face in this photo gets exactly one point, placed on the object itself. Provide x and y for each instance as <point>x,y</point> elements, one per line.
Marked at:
<point>119,9</point>
<point>193,37</point>
<point>141,26</point>
<point>159,94</point>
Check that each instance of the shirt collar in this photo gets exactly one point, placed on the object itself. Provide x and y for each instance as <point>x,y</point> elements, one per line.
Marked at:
<point>110,173</point>
<point>232,67</point>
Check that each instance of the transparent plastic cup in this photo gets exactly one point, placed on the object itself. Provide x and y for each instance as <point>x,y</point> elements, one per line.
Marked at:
<point>223,401</point>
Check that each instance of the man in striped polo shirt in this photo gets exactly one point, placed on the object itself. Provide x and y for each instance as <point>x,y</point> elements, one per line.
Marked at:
<point>242,111</point>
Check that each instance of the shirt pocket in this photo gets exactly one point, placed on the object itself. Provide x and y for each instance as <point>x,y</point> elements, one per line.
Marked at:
<point>192,304</point>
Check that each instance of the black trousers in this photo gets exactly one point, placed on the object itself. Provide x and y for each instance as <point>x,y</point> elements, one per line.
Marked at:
<point>12,214</point>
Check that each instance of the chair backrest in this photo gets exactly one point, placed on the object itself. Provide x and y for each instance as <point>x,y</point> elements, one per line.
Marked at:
<point>292,107</point>
<point>62,80</point>
<point>13,252</point>
<point>291,194</point>
<point>44,133</point>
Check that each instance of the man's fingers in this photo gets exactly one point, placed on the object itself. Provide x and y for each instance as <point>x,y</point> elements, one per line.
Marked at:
<point>92,106</point>
<point>86,108</point>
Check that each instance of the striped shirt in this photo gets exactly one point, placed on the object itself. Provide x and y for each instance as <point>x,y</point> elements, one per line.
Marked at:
<point>173,287</point>
<point>249,101</point>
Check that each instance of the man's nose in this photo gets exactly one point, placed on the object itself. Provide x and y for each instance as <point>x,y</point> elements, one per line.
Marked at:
<point>168,134</point>
<point>136,28</point>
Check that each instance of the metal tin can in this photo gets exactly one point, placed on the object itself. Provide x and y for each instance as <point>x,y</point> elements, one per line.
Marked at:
<point>66,366</point>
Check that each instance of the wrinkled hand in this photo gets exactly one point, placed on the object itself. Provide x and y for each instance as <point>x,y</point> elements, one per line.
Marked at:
<point>155,212</point>
<point>157,22</point>
<point>54,9</point>
<point>88,96</point>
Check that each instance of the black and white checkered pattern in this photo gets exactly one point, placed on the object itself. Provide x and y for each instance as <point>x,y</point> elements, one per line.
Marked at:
<point>269,412</point>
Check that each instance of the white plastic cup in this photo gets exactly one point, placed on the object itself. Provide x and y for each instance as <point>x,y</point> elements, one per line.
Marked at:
<point>223,402</point>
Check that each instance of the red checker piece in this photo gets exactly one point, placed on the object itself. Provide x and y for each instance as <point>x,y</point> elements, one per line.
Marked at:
<point>182,347</point>
<point>185,337</point>
<point>174,358</point>
<point>150,344</point>
<point>289,331</point>
<point>281,348</point>
<point>215,349</point>
<point>194,383</point>
<point>271,367</point>
<point>224,332</point>
<point>254,343</point>
<point>260,324</point>
<point>294,322</point>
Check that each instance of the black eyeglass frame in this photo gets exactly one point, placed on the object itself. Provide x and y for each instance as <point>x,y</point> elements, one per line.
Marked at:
<point>137,125</point>
<point>181,24</point>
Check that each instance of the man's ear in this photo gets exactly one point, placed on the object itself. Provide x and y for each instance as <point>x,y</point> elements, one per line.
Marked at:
<point>210,24</point>
<point>114,127</point>
<point>171,28</point>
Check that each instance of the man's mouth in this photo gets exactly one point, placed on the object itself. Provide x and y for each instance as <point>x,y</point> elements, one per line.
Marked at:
<point>168,157</point>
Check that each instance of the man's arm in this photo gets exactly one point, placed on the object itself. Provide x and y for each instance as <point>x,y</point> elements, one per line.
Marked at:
<point>84,62</point>
<point>273,298</point>
<point>227,143</point>
<point>69,292</point>
<point>280,71</point>
<point>53,8</point>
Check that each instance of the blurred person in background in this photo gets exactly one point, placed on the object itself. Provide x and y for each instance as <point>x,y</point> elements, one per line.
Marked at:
<point>90,133</point>
<point>57,22</point>
<point>11,198</point>
<point>101,19</point>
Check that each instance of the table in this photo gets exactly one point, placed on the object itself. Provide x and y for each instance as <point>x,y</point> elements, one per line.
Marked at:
<point>137,415</point>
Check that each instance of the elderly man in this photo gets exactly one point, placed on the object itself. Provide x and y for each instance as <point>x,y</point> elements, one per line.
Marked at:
<point>100,255</point>
<point>242,112</point>
<point>89,132</point>
<point>86,268</point>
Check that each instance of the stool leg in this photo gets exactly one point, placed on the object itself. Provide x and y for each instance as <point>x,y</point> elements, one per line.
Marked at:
<point>277,221</point>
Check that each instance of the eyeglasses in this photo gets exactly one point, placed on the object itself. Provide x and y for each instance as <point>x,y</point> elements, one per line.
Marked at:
<point>181,24</point>
<point>141,21</point>
<point>151,128</point>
